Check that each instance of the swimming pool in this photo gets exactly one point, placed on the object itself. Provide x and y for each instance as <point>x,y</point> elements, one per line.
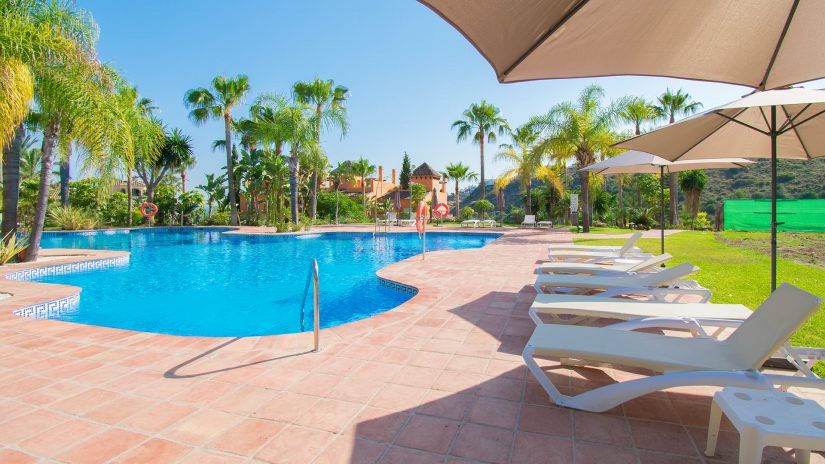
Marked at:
<point>199,281</point>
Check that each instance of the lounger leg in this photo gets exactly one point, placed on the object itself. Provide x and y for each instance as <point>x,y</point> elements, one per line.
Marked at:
<point>555,395</point>
<point>713,429</point>
<point>750,446</point>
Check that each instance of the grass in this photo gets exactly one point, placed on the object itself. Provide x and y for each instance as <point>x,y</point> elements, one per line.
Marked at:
<point>739,274</point>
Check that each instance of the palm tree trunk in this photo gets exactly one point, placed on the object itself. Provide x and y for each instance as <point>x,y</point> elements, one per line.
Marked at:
<point>674,200</point>
<point>65,177</point>
<point>457,201</point>
<point>50,137</point>
<point>528,205</point>
<point>293,185</point>
<point>183,180</point>
<point>584,203</point>
<point>11,182</point>
<point>620,199</point>
<point>314,197</point>
<point>481,157</point>
<point>129,193</point>
<point>230,173</point>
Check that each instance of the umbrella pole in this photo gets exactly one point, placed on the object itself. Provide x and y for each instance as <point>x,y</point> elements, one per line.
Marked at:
<point>662,205</point>
<point>774,224</point>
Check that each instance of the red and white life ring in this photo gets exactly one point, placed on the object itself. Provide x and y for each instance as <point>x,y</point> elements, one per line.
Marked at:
<point>148,209</point>
<point>421,216</point>
<point>441,210</point>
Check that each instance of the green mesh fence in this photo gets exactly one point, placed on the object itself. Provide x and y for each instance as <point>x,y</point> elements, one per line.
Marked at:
<point>797,215</point>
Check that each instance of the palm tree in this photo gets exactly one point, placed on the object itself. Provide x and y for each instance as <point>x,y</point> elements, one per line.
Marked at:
<point>459,172</point>
<point>298,126</point>
<point>77,104</point>
<point>638,111</point>
<point>692,183</point>
<point>581,131</point>
<point>215,103</point>
<point>481,121</point>
<point>148,137</point>
<point>29,158</point>
<point>329,101</point>
<point>175,152</point>
<point>670,105</point>
<point>343,172</point>
<point>214,190</point>
<point>523,161</point>
<point>553,177</point>
<point>362,168</point>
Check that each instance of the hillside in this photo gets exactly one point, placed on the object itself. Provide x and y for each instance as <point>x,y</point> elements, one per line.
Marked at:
<point>796,179</point>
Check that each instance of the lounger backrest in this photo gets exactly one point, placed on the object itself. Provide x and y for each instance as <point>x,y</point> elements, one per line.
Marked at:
<point>668,276</point>
<point>771,325</point>
<point>629,243</point>
<point>529,219</point>
<point>392,216</point>
<point>651,262</point>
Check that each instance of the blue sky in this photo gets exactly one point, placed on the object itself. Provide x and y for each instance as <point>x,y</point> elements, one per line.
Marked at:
<point>410,74</point>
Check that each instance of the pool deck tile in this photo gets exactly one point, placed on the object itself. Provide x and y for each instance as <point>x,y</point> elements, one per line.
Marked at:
<point>438,379</point>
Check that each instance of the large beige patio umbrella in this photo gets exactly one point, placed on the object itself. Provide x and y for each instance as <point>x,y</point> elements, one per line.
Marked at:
<point>764,44</point>
<point>637,162</point>
<point>788,124</point>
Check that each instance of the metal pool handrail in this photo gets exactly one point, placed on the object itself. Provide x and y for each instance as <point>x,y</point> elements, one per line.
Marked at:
<point>313,277</point>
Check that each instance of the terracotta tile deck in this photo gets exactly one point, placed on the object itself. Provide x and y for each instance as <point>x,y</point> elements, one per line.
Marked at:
<point>438,379</point>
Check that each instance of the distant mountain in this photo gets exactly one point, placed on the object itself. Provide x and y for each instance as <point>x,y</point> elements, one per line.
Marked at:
<point>795,179</point>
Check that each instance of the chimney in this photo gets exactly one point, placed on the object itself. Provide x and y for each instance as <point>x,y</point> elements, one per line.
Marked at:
<point>380,173</point>
<point>393,175</point>
<point>443,184</point>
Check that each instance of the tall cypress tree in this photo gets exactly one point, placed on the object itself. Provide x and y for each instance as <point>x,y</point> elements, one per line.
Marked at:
<point>406,172</point>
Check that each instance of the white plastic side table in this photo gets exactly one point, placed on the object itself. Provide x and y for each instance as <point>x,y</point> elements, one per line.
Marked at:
<point>768,418</point>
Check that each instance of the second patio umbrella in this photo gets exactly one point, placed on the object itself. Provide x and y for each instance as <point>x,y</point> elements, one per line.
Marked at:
<point>788,124</point>
<point>637,162</point>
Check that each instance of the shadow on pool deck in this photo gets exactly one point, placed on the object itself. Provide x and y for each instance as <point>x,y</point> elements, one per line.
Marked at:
<point>173,372</point>
<point>507,417</point>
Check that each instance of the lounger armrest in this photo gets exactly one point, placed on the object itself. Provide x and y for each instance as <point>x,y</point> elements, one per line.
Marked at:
<point>659,294</point>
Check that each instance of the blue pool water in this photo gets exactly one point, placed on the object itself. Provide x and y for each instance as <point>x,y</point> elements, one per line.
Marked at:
<point>201,282</point>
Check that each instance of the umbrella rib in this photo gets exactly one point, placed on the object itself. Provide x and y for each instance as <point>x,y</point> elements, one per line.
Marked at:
<point>807,119</point>
<point>544,37</point>
<point>787,26</point>
<point>801,142</point>
<point>711,133</point>
<point>740,122</point>
<point>790,119</point>
<point>765,118</point>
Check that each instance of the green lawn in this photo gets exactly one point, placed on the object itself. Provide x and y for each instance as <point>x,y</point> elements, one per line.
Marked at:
<point>739,275</point>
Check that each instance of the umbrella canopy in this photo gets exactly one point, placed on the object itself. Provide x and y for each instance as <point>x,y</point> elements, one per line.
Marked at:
<point>743,128</point>
<point>764,44</point>
<point>788,123</point>
<point>638,162</point>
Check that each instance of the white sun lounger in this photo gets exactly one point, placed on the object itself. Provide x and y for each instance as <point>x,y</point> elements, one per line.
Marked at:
<point>630,242</point>
<point>681,361</point>
<point>583,255</point>
<point>583,284</point>
<point>406,222</point>
<point>487,223</point>
<point>641,314</point>
<point>470,223</point>
<point>641,265</point>
<point>529,221</point>
<point>390,220</point>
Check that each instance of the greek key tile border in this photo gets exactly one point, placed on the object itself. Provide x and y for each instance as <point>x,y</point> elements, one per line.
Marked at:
<point>59,269</point>
<point>397,286</point>
<point>50,309</point>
